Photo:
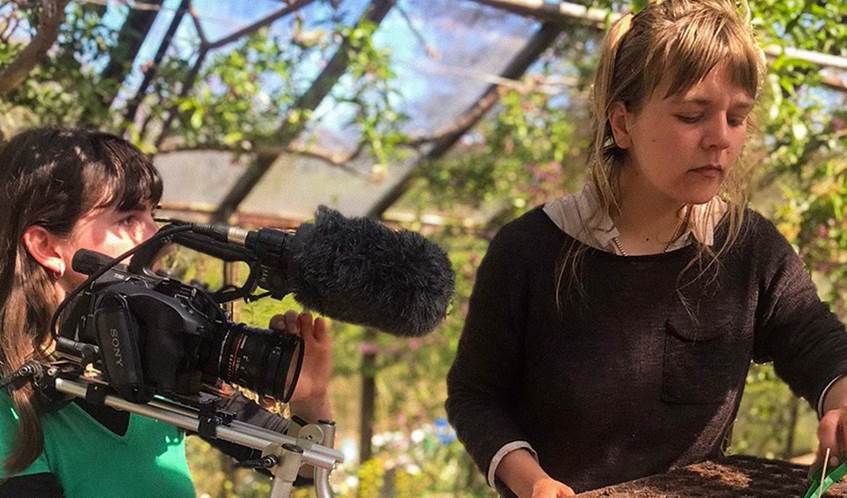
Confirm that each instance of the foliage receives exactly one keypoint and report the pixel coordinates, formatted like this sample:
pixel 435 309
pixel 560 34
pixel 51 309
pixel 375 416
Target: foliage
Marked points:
pixel 373 94
pixel 245 95
pixel 66 87
pixel 804 160
pixel 520 156
pixel 242 94
pixel 529 149
pixel 239 99
pixel 216 477
pixel 773 422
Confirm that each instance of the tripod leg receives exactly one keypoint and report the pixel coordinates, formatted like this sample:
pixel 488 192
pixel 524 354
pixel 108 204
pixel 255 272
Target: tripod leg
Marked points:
pixel 281 489
pixel 322 488
pixel 289 459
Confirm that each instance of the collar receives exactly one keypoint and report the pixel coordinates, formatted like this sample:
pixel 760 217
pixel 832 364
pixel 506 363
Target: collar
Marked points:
pixel 579 215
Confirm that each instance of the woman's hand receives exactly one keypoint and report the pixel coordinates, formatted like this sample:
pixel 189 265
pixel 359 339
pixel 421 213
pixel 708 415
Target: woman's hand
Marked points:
pixel 311 394
pixel 520 471
pixel 832 429
pixel 832 434
pixel 550 488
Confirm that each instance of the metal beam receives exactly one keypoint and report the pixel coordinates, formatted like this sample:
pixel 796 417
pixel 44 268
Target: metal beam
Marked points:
pixel 539 42
pixel 568 12
pixel 310 100
pixel 132 34
pixel 151 71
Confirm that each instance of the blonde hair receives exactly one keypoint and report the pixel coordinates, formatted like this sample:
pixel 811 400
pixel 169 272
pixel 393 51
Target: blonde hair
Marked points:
pixel 679 41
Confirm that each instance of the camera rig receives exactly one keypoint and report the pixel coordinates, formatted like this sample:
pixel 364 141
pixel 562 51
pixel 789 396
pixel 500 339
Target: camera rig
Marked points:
pixel 159 343
pixel 283 455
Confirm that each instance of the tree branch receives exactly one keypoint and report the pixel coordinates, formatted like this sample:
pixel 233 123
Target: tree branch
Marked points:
pixel 465 121
pixel 550 12
pixel 834 83
pixel 308 101
pixel 270 18
pixel 334 159
pixel 11 24
pixel 430 52
pixel 206 46
pixel 328 156
pixel 479 108
pixel 52 15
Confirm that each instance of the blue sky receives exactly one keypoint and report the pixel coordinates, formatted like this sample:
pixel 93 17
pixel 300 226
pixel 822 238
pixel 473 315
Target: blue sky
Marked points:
pixel 470 42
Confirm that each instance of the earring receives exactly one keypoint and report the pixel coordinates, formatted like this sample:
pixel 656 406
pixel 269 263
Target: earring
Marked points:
pixel 56 274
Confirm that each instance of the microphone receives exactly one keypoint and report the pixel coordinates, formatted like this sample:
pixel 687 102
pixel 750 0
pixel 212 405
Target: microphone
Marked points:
pixel 357 270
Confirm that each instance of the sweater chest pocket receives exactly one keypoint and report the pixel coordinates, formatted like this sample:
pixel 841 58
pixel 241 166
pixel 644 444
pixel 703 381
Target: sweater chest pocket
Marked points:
pixel 701 363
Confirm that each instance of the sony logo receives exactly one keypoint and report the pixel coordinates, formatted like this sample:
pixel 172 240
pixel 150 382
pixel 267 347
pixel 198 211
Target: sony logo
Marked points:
pixel 116 347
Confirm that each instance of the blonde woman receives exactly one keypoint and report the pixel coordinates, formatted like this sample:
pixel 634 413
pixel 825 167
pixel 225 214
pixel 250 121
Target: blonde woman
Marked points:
pixel 610 331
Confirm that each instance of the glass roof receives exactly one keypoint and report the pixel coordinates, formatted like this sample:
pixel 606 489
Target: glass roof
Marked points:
pixel 445 53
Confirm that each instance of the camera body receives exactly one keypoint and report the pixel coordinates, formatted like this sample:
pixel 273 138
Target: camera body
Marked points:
pixel 158 335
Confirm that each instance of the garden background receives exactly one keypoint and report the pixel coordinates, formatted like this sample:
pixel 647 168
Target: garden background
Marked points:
pixel 448 117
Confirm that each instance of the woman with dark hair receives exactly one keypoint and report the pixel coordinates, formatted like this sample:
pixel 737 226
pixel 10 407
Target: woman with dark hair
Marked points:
pixel 63 190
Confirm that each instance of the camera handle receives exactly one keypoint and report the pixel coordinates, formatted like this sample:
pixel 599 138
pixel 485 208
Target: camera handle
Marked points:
pixel 283 455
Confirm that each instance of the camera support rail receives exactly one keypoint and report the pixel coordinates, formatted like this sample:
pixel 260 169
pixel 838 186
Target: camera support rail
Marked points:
pixel 282 455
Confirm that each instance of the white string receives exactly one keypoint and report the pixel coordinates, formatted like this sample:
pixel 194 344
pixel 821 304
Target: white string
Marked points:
pixel 823 473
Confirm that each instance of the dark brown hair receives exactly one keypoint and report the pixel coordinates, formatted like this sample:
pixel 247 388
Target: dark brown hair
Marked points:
pixel 51 177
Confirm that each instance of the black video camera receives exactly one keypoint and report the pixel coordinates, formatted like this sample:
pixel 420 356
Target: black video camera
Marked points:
pixel 153 334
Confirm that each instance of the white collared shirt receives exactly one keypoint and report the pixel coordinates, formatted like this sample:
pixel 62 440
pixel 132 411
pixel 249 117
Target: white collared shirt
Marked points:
pixel 572 214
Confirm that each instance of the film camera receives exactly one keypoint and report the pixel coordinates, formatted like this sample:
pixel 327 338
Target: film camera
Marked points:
pixel 159 341
pixel 187 338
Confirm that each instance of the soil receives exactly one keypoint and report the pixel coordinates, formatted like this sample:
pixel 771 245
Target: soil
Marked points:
pixel 736 476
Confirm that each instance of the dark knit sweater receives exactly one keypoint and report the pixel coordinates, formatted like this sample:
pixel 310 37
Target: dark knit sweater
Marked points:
pixel 626 382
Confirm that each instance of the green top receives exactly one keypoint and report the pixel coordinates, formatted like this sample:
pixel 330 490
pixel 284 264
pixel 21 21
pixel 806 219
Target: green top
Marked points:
pixel 91 461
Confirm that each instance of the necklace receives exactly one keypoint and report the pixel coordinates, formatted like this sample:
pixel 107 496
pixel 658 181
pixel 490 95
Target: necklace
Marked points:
pixel 678 234
pixel 619 247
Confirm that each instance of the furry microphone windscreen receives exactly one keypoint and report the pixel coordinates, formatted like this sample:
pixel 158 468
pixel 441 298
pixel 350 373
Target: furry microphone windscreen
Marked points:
pixel 359 271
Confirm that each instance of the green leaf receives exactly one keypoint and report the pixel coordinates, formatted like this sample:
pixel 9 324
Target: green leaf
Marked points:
pixel 800 131
pixel 197 119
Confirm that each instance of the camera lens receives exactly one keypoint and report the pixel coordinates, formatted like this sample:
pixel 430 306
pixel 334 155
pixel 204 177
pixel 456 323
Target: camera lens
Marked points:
pixel 265 361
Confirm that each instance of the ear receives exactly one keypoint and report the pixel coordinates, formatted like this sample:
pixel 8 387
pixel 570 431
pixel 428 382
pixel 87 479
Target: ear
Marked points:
pixel 619 119
pixel 45 248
